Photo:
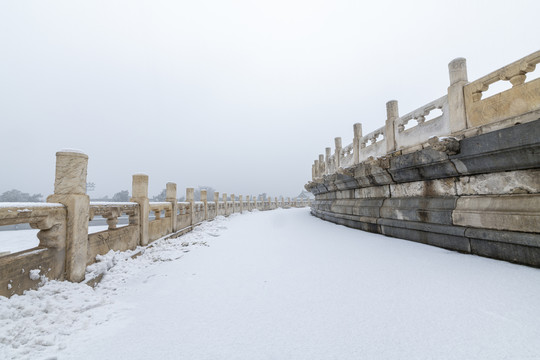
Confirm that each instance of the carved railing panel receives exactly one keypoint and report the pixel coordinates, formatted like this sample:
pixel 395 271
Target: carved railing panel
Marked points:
pixel 114 238
pixel 162 223
pixel 347 157
pixel 373 144
pixel 184 215
pixel 522 98
pixel 423 130
pixel 48 257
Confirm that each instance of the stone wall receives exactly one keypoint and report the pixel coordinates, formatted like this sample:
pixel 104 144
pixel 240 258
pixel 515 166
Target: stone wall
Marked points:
pixel 65 245
pixel 476 189
pixel 481 195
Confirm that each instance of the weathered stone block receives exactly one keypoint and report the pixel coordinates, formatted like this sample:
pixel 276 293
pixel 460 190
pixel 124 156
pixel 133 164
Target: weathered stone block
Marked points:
pixel 428 188
pixel 421 165
pixel 508 182
pixel 372 174
pixel 372 192
pixel 359 207
pixel 446 241
pixel 509 212
pixel 513 148
pixel 516 253
pixel 431 210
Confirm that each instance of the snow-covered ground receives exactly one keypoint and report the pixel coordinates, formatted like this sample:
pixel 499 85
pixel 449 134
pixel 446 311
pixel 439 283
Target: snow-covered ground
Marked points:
pixel 281 285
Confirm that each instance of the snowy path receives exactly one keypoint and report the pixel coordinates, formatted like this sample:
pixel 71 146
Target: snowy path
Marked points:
pixel 282 285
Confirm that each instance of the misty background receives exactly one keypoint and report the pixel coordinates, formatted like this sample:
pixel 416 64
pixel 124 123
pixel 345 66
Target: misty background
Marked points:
pixel 239 95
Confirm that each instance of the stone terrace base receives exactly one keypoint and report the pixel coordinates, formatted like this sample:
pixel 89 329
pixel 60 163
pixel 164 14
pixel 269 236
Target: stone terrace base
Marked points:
pixel 479 195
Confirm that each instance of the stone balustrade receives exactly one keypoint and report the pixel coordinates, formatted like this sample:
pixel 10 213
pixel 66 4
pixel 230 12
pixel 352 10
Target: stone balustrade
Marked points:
pixel 460 113
pixel 65 245
pixel 461 172
pixel 521 99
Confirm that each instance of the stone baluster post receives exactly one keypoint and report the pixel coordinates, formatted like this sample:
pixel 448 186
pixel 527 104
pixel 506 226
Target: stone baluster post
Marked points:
pixel 216 200
pixel 456 101
pixel 328 160
pixel 204 199
pixel 248 202
pixel 317 175
pixel 70 191
pixel 255 202
pixel 190 198
pixel 357 128
pixel 321 165
pixel 233 199
pixel 337 154
pixel 224 199
pixel 171 197
pixel 392 114
pixel 241 199
pixel 276 202
pixel 139 195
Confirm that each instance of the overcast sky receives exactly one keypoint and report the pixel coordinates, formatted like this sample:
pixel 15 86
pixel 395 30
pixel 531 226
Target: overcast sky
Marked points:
pixel 238 95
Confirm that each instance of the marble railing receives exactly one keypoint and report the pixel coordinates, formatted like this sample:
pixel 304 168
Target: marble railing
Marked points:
pixel 66 246
pixel 460 113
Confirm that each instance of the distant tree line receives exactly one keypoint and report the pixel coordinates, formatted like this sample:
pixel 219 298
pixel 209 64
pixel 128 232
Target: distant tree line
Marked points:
pixel 18 196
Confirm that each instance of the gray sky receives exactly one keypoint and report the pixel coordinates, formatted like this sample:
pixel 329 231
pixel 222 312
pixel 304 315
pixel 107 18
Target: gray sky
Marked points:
pixel 238 95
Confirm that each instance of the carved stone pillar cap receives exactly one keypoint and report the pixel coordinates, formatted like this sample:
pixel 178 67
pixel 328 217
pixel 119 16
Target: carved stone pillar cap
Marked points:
pixel 458 70
pixel 70 177
pixel 72 152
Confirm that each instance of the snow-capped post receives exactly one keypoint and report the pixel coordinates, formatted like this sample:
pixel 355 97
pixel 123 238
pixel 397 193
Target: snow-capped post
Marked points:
pixel 233 201
pixel 70 191
pixel 456 102
pixel 139 194
pixel 337 154
pixel 190 198
pixel 171 197
pixel 241 199
pixel 327 160
pixel 357 128
pixel 204 199
pixel 392 114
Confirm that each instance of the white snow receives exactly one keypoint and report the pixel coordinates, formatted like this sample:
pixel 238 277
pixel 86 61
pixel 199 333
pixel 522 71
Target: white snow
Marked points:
pixel 281 285
pixel 117 203
pixel 18 240
pixel 76 151
pixel 29 205
pixel 34 274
